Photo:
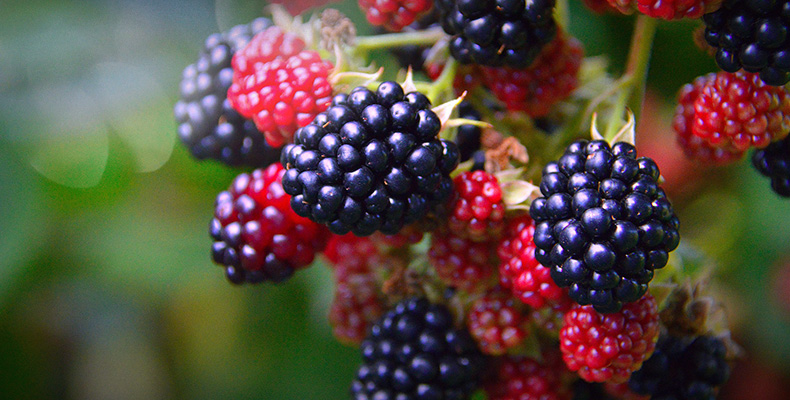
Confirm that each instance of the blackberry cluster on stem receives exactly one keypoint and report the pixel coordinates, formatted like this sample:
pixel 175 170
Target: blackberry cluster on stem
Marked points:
pixel 208 124
pixel 603 224
pixel 371 162
pixel 497 33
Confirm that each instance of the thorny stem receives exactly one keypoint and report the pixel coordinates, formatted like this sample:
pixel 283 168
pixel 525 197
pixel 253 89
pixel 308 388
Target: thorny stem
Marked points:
pixel 427 37
pixel 635 73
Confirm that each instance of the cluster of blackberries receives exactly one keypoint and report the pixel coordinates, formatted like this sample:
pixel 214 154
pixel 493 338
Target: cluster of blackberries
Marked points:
pixel 497 33
pixel 683 368
pixel 208 125
pixel 774 162
pixel 371 162
pixel 753 35
pixel 415 352
pixel 603 224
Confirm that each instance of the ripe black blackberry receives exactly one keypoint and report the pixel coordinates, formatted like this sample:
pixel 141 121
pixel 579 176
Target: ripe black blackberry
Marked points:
pixel 683 368
pixel 497 33
pixel 774 162
pixel 753 35
pixel 603 224
pixel 468 136
pixel 371 162
pixel 208 125
pixel 415 352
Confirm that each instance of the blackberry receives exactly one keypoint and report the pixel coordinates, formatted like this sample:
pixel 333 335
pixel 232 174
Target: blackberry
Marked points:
pixel 208 125
pixel 603 224
pixel 371 162
pixel 753 35
pixel 257 237
pixel 683 368
pixel 468 136
pixel 497 33
pixel 415 352
pixel 774 162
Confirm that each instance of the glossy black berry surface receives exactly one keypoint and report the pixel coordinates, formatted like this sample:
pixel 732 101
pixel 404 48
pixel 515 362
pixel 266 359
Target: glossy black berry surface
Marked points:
pixel 774 162
pixel 208 125
pixel 415 352
pixel 603 225
pixel 683 368
pixel 497 32
pixel 753 35
pixel 468 136
pixel 371 162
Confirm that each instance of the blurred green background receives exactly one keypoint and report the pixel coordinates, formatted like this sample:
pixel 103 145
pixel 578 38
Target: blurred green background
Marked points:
pixel 107 290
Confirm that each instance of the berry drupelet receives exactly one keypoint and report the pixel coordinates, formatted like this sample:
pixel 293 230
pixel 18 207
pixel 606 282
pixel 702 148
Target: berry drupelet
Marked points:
pixel 753 35
pixel 603 224
pixel 774 162
pixel 468 136
pixel 477 211
pixel 208 125
pixel 609 347
pixel 371 162
pixel 415 352
pixel 683 368
pixel 257 237
pixel 394 15
pixel 497 33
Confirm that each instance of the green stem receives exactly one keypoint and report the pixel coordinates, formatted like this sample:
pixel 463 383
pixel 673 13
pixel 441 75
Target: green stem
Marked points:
pixel 426 37
pixel 562 13
pixel 635 73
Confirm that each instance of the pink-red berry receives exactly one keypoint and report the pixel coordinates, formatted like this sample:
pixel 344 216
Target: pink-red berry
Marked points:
pixel 519 270
pixel 720 116
pixel 524 378
pixel 551 78
pixel 478 211
pixel 609 347
pixel 497 321
pixel 257 236
pixel 461 263
pixel 279 90
pixel 357 304
pixel 667 9
pixel 394 15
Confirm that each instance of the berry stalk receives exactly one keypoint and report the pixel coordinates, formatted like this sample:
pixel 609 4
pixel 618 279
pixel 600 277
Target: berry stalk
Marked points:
pixel 427 37
pixel 635 74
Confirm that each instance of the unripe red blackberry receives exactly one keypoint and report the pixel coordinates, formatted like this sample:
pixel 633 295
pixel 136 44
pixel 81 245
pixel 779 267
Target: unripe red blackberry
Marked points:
pixel 683 368
pixel 415 352
pixel 461 263
pixel 774 162
pixel 257 237
pixel 667 9
pixel 208 125
pixel 752 34
pixel 394 15
pixel 356 305
pixel 502 33
pixel 609 347
pixel 497 322
pixel 552 77
pixel 477 211
pixel 371 162
pixel 523 378
pixel 720 116
pixel 519 271
pixel 603 224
